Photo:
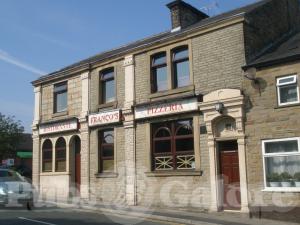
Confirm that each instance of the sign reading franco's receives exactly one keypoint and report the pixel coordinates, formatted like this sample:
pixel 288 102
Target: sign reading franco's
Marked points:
pixel 107 117
pixel 166 108
pixel 58 127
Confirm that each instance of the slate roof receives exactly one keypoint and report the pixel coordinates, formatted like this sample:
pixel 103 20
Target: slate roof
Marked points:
pixel 164 36
pixel 287 51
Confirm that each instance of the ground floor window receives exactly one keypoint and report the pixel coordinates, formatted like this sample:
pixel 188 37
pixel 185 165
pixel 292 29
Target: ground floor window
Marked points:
pixel 106 150
pixel 282 163
pixel 47 156
pixel 173 145
pixel 60 155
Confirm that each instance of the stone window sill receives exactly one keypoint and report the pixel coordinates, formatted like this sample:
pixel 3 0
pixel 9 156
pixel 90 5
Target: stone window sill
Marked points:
pixel 106 175
pixel 65 113
pixel 174 173
pixel 108 105
pixel 54 173
pixel 165 94
pixel 287 106
pixel 282 189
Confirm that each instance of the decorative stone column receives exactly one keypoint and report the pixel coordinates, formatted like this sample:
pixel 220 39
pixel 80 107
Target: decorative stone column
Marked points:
pixel 36 150
pixel 129 126
pixel 36 154
pixel 37 105
pixel 85 137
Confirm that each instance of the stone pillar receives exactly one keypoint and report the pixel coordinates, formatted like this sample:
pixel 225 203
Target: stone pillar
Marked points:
pixel 36 148
pixel 243 175
pixel 213 175
pixel 85 82
pixel 129 126
pixel 36 155
pixel 85 137
pixel 37 105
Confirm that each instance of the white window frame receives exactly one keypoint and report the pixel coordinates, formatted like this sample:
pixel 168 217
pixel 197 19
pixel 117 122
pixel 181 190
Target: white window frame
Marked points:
pixel 295 81
pixel 265 155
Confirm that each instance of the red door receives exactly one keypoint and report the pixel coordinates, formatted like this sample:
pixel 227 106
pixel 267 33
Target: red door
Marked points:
pixel 229 170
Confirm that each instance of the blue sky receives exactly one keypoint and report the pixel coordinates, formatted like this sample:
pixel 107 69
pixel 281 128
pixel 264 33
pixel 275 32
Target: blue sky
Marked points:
pixel 41 36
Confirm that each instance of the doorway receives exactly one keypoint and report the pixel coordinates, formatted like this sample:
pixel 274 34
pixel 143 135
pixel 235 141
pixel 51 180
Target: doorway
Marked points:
pixel 77 163
pixel 229 173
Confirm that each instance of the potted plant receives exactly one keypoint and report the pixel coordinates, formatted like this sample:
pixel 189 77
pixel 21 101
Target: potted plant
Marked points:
pixel 274 179
pixel 297 179
pixel 286 179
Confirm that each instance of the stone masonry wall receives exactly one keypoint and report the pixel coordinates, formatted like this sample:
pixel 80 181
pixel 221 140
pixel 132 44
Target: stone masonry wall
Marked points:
pixel 74 99
pixel 267 121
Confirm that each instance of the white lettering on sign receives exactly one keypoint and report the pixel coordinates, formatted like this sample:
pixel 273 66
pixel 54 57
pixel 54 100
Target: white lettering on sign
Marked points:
pixel 58 127
pixel 105 118
pixel 166 108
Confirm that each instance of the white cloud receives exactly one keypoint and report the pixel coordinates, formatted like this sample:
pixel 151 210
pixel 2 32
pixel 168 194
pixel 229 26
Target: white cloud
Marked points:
pixel 4 56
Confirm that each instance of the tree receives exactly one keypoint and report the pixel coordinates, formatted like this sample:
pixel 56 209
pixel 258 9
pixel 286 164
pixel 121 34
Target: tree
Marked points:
pixel 10 136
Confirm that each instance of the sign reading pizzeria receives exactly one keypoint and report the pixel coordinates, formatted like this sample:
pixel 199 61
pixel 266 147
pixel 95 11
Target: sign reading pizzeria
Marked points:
pixel 162 109
pixel 57 127
pixel 103 118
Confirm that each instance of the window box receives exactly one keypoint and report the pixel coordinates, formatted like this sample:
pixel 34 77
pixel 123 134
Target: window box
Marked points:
pixel 281 160
pixel 287 90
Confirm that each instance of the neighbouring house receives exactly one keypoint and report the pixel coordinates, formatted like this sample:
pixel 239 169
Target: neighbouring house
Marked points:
pixel 173 120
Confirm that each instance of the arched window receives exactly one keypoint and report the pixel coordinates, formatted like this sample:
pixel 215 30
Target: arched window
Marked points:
pixel 60 155
pixel 173 145
pixel 181 67
pixel 47 156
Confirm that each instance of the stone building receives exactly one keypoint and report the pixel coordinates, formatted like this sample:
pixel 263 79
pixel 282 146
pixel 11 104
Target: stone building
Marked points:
pixel 161 122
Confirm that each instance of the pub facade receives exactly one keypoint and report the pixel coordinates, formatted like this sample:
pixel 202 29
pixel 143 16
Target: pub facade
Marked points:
pixel 159 122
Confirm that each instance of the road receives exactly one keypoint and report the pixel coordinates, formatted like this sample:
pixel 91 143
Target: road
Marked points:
pixel 58 216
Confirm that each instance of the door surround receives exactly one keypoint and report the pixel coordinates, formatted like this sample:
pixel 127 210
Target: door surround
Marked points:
pixel 225 125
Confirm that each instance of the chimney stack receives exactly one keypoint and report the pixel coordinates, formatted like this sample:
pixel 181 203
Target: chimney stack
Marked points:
pixel 184 15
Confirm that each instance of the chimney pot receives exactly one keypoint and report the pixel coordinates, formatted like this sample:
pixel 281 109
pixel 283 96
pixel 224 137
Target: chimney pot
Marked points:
pixel 184 15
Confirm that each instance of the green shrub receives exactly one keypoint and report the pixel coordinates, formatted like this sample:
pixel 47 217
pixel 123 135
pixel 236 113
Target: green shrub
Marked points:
pixel 273 177
pixel 297 177
pixel 285 176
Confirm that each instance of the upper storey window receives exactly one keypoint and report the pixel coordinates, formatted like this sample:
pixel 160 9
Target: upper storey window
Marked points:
pixel 60 97
pixel 288 90
pixel 170 69
pixel 181 67
pixel 107 86
pixel 159 72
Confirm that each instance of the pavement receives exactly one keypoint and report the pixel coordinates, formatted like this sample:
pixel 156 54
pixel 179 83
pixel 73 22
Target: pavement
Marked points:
pixel 83 214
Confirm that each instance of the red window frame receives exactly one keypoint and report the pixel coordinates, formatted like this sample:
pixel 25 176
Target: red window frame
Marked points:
pixel 63 149
pixel 46 149
pixel 101 143
pixel 173 129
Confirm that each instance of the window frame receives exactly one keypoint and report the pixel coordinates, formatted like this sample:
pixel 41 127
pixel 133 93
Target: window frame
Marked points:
pixel 100 151
pixel 281 154
pixel 171 127
pixel 278 86
pixel 102 82
pixel 56 93
pixel 176 61
pixel 48 160
pixel 57 149
pixel 153 68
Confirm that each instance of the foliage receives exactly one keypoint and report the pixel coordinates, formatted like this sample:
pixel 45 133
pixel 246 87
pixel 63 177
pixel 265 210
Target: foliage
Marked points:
pixel 297 177
pixel 274 177
pixel 10 136
pixel 285 176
